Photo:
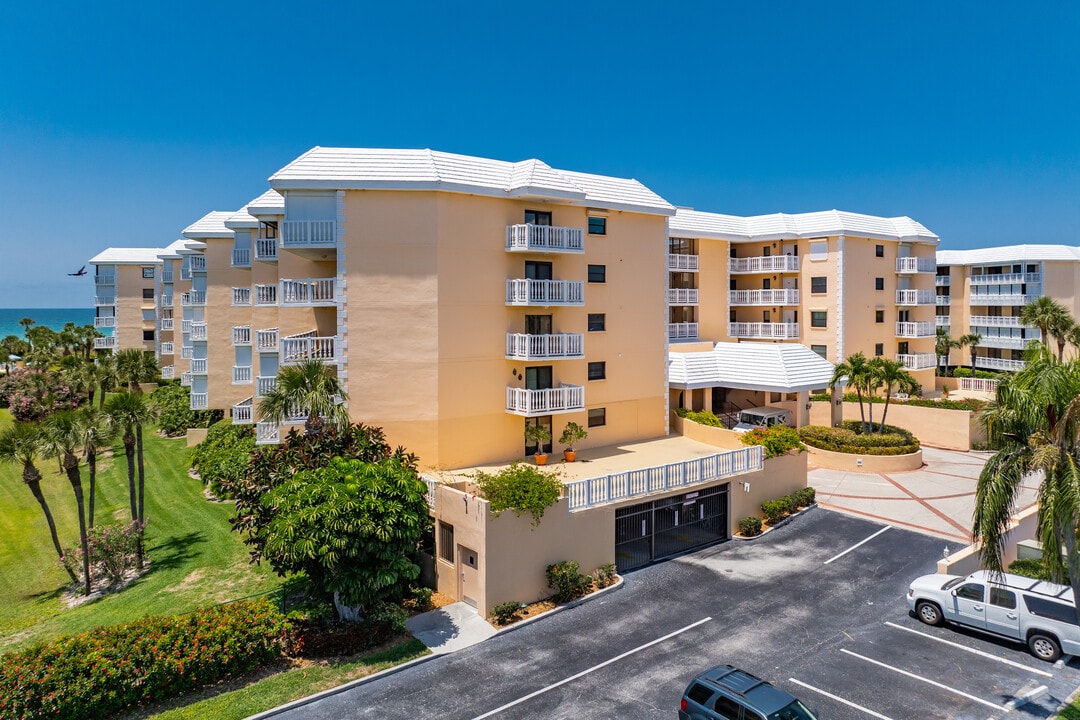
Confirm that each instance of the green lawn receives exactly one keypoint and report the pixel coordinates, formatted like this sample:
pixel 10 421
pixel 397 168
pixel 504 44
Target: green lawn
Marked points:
pixel 196 559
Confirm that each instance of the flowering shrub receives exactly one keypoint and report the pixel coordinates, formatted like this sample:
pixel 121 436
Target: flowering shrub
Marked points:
pixel 777 440
pixel 34 394
pixel 112 552
pixel 100 673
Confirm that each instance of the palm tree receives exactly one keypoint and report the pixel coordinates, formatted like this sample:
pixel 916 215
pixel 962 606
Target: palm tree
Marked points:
pixel 134 366
pixel 1073 336
pixel 1035 424
pixel 131 411
pixel 311 387
pixel 108 375
pixel 892 374
pixel 26 323
pixel 854 369
pixel 98 430
pixel 62 436
pixel 1052 319
pixel 21 443
pixel 970 341
pixel 943 347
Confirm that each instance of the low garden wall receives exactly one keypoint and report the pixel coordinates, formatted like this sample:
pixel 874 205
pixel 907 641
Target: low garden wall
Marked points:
pixel 865 463
pixel 717 436
pixel 196 436
pixel 1022 527
pixel 934 427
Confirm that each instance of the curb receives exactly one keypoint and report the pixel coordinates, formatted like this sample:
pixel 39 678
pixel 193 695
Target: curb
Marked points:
pixel 777 526
pixel 572 604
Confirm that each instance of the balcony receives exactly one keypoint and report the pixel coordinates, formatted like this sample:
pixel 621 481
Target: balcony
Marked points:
pixel 185 379
pixel 105 343
pixel 1014 299
pixel 990 363
pixel 186 352
pixel 682 296
pixel 916 329
pixel 166 276
pixel 916 297
pixel 1009 321
pixel 241 257
pixel 100 280
pixel 265 384
pixel 165 300
pixel 167 323
pixel 241 335
pixel 907 265
pixel 531 403
pixel 297 349
pixel 309 292
pixel 1005 342
pixel 185 327
pixel 764 330
pixel 764 264
pixel 167 348
pixel 185 273
pixel 682 263
pixel 105 322
pixel 198 332
pixel 942 280
pixel 942 321
pixel 682 331
pixel 308 233
pixel 242 412
pixel 544 239
pixel 104 300
pixel 1007 279
pixel 198 264
pixel 167 372
pixel 266 340
pixel 241 296
pixel 241 374
pixel 783 296
pixel 266 294
pixel 198 366
pixel 545 293
pixel 941 300
pixel 200 401
pixel 267 433
pixel 193 298
pixel 266 249
pixel 559 346
pixel 917 361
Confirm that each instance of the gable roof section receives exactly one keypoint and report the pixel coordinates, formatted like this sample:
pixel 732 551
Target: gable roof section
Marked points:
pixel 127 256
pixel 779 367
pixel 210 225
pixel 270 202
pixel 388 169
pixel 1009 253
pixel 172 252
pixel 783 226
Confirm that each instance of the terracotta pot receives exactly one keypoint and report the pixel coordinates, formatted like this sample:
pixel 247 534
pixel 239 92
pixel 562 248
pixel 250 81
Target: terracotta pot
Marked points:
pixel 540 459
pixel 569 455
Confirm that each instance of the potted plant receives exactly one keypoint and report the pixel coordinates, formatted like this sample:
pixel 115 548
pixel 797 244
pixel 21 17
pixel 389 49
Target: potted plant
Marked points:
pixel 538 434
pixel 571 434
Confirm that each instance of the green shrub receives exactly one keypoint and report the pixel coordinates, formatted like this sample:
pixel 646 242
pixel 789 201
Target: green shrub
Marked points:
pixel 965 372
pixel 1030 568
pixel 102 672
pixel 750 526
pixel 804 497
pixel 224 455
pixel 703 417
pixel 605 575
pixel 390 614
pixel 848 438
pixel 567 581
pixel 777 440
pixel 520 488
pixel 821 397
pixel 972 404
pixel 507 612
pixel 173 403
pixel 421 598
pixel 774 511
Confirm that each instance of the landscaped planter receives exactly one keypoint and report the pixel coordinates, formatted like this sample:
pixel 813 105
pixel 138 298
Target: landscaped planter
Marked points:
pixel 865 463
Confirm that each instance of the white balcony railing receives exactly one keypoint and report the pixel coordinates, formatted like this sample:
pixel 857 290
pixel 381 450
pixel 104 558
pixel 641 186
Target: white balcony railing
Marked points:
pixel 104 300
pixel 919 329
pixel 241 257
pixel 198 366
pixel 185 379
pixel 198 264
pixel 682 296
pixel 198 332
pixel 941 300
pixel 267 433
pixel 780 296
pixel 200 401
pixel 909 264
pixel 266 340
pixel 309 291
pixel 242 412
pixel 167 348
pixel 186 352
pixel 942 320
pixel 185 273
pixel 986 385
pixel 998 363
pixel 165 300
pixel 565 398
pixel 1014 299
pixel 100 280
pixel 917 361
pixel 266 294
pixel 241 374
pixel 558 346
pixel 1007 279
pixel 241 335
pixel 167 372
pixel 765 264
pixel 185 327
pixel 767 330
pixel 297 349
pixel 193 298
pixel 544 238
pixel 167 323
pixel 1011 321
pixel 1004 342
pixel 682 331
pixel 105 322
pixel 545 293
pixel 266 249
pixel 105 343
pixel 305 233
pixel 265 384
pixel 942 280
pixel 682 263
pixel 241 296
pixel 916 297
pixel 166 276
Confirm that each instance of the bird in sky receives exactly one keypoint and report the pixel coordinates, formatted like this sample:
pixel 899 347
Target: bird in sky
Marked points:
pixel 82 271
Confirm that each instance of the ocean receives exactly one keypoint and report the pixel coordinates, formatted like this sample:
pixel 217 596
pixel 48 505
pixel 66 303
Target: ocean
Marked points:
pixel 54 318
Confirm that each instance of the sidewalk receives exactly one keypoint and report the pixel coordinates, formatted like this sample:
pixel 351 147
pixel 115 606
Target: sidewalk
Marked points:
pixel 450 628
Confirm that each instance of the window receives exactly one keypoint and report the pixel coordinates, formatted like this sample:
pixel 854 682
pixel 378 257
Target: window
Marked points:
pixel 879 250
pixel 727 708
pixel 148 273
pixel 537 217
pixel 820 350
pixel 597 417
pixel 1002 598
pixel 879 349
pixel 819 318
pixel 596 322
pixel 971 591
pixel 446 542
pixel 879 283
pixel 148 293
pixel 819 285
pixel 699 693
pixel 879 316
pixel 537 270
pixel 1050 609
pixel 766 284
pixel 819 250
pixel 597 370
pixel 597 225
pixel 597 273
pixel 147 334
pixel 538 324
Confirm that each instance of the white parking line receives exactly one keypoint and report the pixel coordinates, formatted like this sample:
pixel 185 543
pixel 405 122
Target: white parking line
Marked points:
pixel 837 557
pixel 839 699
pixel 913 676
pixel 980 653
pixel 594 668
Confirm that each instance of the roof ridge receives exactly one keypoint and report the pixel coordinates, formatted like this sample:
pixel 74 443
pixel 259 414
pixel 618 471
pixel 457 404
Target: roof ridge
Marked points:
pixel 434 165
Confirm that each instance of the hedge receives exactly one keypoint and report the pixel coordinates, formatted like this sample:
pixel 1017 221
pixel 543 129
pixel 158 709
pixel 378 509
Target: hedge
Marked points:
pixel 965 372
pixel 848 438
pixel 102 672
pixel 703 417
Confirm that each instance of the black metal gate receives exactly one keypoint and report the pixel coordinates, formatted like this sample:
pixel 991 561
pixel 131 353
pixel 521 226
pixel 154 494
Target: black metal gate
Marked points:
pixel 661 528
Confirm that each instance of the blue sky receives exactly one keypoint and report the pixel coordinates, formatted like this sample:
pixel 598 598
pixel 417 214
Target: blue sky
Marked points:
pixel 123 122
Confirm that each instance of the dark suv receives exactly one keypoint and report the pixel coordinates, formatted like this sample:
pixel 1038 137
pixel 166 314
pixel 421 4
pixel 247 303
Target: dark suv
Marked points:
pixel 726 693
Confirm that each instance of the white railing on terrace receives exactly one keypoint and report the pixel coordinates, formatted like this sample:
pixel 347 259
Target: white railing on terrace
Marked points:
pixel 1005 342
pixel 942 280
pixel 916 265
pixel 1006 279
pixel 104 279
pixel 565 398
pixel 1016 299
pixel 769 330
pixel 521 346
pixel 266 294
pixel 185 379
pixel 241 257
pixel 682 263
pixel 185 273
pixel 165 300
pixel 979 384
pixel 198 264
pixel 198 366
pixel 308 291
pixel 265 384
pixel 186 352
pixel 241 374
pixel 241 296
pixel 167 323
pixel 544 238
pixel 916 297
pixel 185 327
pixel 300 233
pixel 997 321
pixel 430 494
pixel 242 412
pixel 682 331
pixel 998 363
pixel 545 292
pixel 104 322
pixel 608 489
pixel 682 296
pixel 942 321
pixel 167 348
pixel 266 248
pixel 941 300
pixel 266 340
pixel 167 372
pixel 298 349
pixel 105 343
pixel 780 296
pixel 166 276
pixel 198 331
pixel 267 433
pixel 764 264
pixel 194 297
pixel 241 335
pixel 916 329
pixel 917 361
pixel 104 300
pixel 200 401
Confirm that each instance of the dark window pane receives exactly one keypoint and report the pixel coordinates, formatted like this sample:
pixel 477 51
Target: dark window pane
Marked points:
pixel 596 322
pixel 597 417
pixel 597 370
pixel 819 284
pixel 699 693
pixel 148 293
pixel 1002 598
pixel 727 708
pixel 971 591
pixel 537 217
pixel 818 318
pixel 597 225
pixel 879 283
pixel 597 273
pixel 879 250
pixel 820 350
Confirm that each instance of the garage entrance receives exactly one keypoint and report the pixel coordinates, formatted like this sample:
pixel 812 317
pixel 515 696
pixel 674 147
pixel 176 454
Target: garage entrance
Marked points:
pixel 654 530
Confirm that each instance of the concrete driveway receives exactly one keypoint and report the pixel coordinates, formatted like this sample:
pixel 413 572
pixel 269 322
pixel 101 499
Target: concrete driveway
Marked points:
pixel 938 499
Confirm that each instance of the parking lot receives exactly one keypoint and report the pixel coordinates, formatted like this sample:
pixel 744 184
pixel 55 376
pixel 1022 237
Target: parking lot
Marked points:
pixel 817 607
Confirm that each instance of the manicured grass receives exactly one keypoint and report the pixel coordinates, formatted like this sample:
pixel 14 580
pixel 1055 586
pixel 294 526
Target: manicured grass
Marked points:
pixel 293 685
pixel 1072 712
pixel 196 559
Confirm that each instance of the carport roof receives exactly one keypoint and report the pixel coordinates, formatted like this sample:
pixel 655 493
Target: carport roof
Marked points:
pixel 776 367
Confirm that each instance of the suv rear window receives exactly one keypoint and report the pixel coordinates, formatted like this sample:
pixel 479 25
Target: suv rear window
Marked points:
pixel 699 693
pixel 727 708
pixel 1050 609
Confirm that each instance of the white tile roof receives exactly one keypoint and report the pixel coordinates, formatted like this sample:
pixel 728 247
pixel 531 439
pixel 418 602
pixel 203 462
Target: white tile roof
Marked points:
pixel 1009 253
pixel 782 226
pixel 270 202
pixel 172 252
pixel 779 367
pixel 241 219
pixel 371 168
pixel 210 225
pixel 127 256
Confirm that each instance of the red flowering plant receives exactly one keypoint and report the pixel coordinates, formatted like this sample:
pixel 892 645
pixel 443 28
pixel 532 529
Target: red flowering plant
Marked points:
pixel 33 394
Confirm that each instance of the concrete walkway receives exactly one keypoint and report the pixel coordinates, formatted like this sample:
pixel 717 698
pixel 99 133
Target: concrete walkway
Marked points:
pixel 450 628
pixel 938 499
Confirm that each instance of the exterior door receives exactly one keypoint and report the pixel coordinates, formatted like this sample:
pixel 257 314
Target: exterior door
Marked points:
pixel 791 315
pixel 538 378
pixel 468 575
pixel 537 217
pixel 535 270
pixel 538 324
pixel 791 283
pixel 970 604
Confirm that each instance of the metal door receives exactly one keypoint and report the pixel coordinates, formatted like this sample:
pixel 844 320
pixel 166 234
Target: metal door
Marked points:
pixel 651 531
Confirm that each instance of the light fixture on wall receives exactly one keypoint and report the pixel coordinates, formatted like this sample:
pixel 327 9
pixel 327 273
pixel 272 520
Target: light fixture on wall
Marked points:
pixel 807 407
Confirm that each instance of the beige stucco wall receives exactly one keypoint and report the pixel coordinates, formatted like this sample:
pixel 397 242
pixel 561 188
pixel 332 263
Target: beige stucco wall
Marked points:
pixel 865 463
pixel 1023 526
pixel 718 436
pixel 947 429
pixel 129 308
pixel 220 317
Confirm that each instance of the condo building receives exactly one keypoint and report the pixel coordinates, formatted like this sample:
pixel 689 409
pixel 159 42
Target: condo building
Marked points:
pixel 125 298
